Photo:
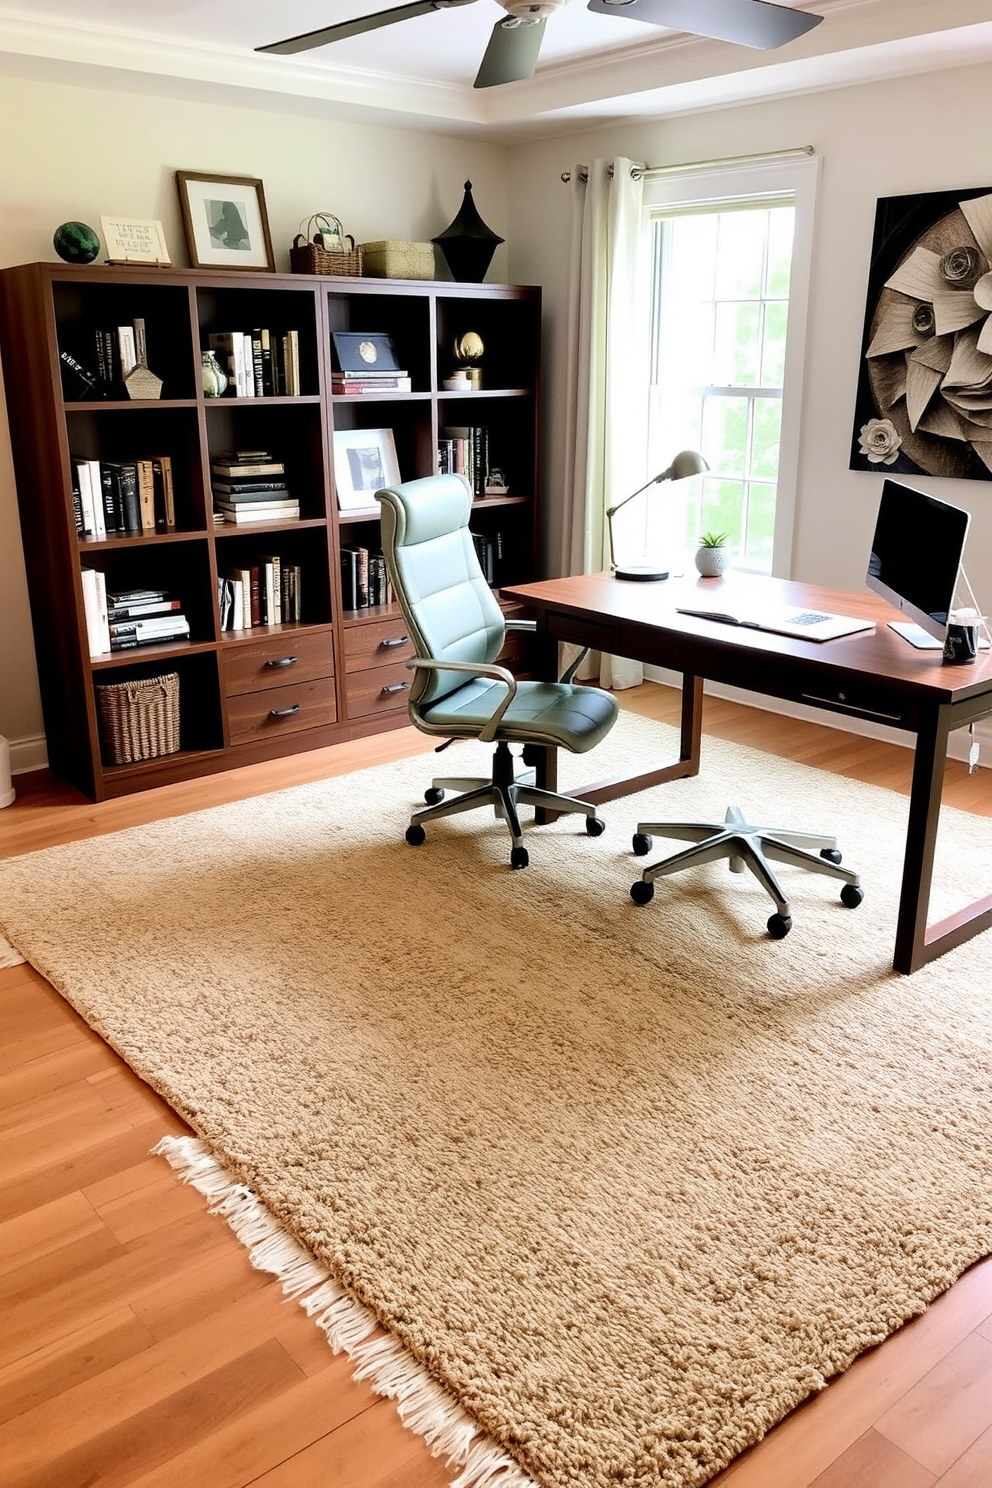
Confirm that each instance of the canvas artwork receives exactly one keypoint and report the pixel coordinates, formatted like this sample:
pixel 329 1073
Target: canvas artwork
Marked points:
pixel 924 402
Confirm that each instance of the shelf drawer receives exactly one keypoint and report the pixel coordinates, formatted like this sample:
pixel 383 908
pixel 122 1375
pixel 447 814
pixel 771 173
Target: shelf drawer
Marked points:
pixel 277 661
pixel 376 645
pixel 281 710
pixel 379 690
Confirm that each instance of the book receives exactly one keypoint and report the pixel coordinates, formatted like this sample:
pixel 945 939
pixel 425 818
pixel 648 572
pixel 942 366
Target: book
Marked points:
pixel 149 626
pixel 145 471
pixel 244 516
pixel 165 506
pixel 95 611
pixel 249 490
pixel 354 386
pixel 126 351
pixel 87 515
pixel 230 349
pixel 271 503
pixel 140 342
pixel 143 609
pixel 270 586
pixel 77 381
pixel 124 479
pixel 135 596
pixel 291 363
pixel 243 469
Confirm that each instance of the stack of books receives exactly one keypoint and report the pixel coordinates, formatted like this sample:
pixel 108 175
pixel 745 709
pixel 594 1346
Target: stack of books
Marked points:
pixel 367 381
pixel 250 486
pixel 124 619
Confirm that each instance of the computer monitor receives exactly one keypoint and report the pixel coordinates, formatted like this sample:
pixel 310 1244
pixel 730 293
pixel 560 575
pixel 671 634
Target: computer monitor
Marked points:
pixel 916 555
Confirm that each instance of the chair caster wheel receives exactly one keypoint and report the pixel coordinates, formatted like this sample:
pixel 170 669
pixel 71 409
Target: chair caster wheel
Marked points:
pixel 831 854
pixel 642 845
pixel 851 896
pixel 416 835
pixel 595 826
pixel 641 892
pixel 519 857
pixel 434 795
pixel 779 926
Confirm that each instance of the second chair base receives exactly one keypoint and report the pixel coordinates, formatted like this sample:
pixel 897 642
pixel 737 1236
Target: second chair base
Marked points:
pixel 745 846
pixel 505 791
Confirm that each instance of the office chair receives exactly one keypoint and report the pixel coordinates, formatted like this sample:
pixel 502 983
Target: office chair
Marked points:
pixel 458 691
pixel 745 847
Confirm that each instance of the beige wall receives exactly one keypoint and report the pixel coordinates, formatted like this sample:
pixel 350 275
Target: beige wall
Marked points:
pixel 76 152
pixel 926 133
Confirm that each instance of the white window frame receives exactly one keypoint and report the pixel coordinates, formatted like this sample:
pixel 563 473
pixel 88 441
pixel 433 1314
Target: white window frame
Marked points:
pixel 710 188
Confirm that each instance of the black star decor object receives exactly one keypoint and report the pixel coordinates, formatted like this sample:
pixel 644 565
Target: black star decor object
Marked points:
pixel 468 244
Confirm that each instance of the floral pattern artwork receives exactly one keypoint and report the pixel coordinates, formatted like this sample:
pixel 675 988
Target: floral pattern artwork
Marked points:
pixel 924 401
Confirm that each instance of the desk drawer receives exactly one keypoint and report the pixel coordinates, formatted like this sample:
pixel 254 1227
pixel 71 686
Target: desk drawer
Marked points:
pixel 378 645
pixel 281 710
pixel 276 661
pixel 378 690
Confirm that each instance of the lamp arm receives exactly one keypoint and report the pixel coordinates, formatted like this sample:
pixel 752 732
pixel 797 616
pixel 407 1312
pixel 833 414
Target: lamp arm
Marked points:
pixel 611 511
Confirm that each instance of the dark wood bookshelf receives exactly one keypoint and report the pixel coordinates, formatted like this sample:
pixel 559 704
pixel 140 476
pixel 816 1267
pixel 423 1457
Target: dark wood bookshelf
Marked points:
pixel 240 700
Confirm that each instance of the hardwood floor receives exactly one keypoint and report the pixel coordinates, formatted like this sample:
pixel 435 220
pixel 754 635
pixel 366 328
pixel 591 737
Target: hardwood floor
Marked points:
pixel 137 1345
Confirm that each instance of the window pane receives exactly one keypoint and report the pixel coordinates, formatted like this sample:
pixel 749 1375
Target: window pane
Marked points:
pixel 781 228
pixel 740 255
pixel 722 507
pixel 773 350
pixel 693 255
pixel 724 441
pixel 735 362
pixel 765 436
pixel 760 525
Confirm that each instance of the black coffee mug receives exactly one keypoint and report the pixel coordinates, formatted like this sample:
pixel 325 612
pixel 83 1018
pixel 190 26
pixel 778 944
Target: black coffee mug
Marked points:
pixel 961 644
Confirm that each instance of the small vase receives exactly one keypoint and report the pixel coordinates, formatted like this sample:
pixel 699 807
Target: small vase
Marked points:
pixel 212 375
pixel 711 562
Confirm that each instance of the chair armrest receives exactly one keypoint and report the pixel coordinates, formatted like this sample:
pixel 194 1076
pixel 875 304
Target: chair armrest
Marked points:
pixel 475 669
pixel 530 625
pixel 574 665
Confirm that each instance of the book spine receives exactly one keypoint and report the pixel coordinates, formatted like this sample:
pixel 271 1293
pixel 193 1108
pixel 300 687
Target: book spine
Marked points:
pixel 127 477
pixel 256 362
pixel 145 472
pixel 140 342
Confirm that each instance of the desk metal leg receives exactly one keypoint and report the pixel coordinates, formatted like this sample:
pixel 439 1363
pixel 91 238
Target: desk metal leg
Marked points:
pixel 916 944
pixel 626 785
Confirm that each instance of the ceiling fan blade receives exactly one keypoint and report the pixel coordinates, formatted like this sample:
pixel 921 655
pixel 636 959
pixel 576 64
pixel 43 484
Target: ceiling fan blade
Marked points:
pixel 754 23
pixel 511 54
pixel 360 24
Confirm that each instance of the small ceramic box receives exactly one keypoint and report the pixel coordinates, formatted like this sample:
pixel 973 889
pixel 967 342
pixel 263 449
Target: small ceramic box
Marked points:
pixel 391 259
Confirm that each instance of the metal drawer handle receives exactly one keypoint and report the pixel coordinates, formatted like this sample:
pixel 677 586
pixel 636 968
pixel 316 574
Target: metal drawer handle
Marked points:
pixel 396 641
pixel 281 661
pixel 397 687
pixel 284 712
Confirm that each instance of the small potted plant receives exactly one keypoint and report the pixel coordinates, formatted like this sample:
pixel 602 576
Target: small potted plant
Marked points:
pixel 713 554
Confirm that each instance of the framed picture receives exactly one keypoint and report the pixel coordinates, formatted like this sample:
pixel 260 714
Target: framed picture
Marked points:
pixel 137 240
pixel 364 461
pixel 225 221
pixel 924 396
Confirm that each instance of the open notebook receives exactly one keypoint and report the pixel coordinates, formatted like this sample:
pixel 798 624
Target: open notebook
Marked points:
pixel 804 625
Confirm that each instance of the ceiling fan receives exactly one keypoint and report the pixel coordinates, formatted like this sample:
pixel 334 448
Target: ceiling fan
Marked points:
pixel 515 42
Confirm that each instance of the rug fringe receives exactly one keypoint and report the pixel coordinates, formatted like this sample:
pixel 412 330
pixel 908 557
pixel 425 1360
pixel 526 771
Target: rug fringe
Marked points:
pixel 424 1406
pixel 9 955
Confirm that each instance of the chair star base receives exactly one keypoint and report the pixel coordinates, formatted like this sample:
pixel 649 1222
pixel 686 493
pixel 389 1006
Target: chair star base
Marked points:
pixel 505 791
pixel 745 846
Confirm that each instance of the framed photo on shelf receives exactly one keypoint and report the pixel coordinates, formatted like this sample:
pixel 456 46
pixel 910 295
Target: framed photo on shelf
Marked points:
pixel 137 240
pixel 225 221
pixel 364 461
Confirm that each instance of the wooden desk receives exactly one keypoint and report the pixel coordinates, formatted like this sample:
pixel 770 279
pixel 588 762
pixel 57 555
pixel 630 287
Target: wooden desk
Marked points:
pixel 874 675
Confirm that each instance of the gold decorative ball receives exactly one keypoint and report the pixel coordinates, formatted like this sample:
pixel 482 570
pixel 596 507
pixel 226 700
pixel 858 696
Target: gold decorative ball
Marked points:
pixel 469 347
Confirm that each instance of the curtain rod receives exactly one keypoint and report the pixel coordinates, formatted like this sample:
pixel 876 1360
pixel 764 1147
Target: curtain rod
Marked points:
pixel 639 171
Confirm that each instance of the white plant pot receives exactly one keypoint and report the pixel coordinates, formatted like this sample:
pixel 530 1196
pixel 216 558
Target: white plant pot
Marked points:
pixel 711 562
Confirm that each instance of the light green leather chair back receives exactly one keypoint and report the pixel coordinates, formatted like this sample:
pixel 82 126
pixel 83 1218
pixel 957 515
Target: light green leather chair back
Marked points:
pixel 449 609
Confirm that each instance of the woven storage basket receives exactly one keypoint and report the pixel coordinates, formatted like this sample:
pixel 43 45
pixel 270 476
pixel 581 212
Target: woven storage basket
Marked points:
pixel 309 256
pixel 138 720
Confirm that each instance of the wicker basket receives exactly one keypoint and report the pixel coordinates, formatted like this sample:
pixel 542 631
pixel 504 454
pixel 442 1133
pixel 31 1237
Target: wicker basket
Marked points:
pixel 138 720
pixel 309 256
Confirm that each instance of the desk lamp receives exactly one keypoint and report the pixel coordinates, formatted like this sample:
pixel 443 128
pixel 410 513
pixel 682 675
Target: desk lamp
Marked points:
pixel 686 463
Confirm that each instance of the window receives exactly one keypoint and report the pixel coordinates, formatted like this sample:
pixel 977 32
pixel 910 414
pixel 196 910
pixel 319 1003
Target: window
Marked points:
pixel 729 259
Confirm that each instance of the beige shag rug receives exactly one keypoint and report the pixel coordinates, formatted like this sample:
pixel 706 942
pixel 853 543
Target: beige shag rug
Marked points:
pixel 623 1184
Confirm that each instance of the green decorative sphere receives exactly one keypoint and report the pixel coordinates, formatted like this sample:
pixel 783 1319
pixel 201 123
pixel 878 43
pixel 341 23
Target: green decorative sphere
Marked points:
pixel 76 243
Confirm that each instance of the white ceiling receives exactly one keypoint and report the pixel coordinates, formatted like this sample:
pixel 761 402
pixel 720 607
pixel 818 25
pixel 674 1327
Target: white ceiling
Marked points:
pixel 420 71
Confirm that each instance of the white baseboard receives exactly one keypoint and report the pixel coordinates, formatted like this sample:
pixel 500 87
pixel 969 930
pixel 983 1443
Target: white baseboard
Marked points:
pixel 28 754
pixel 957 747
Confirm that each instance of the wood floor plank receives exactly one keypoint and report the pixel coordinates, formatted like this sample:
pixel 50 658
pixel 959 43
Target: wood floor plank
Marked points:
pixel 106 1152
pixel 371 1450
pixel 155 1434
pixel 28 1084
pixel 874 1462
pixel 973 1468
pixel 78 1354
pixel 947 1410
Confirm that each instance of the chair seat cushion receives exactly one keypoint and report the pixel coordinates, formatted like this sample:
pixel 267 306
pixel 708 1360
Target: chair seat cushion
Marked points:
pixel 558 713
